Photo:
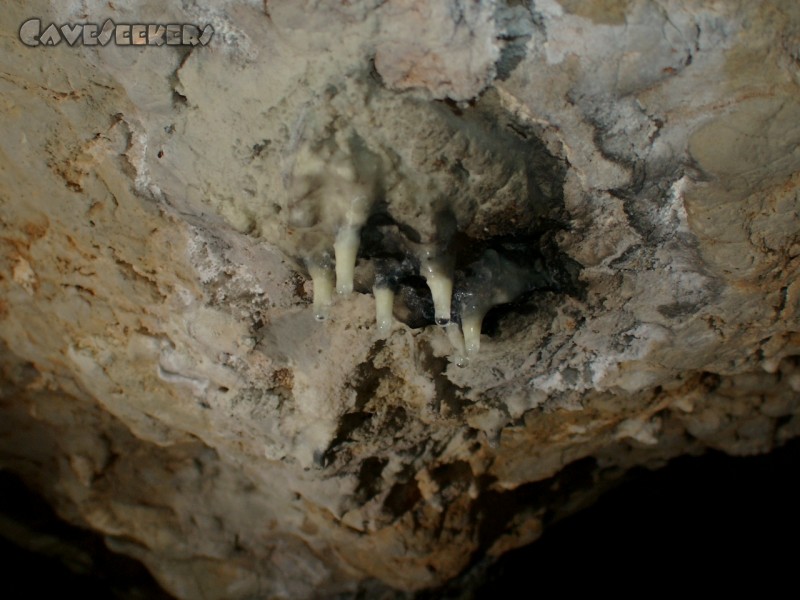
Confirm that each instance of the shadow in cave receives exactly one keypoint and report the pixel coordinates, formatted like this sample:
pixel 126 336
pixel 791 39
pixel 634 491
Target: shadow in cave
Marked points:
pixel 712 521
pixel 44 557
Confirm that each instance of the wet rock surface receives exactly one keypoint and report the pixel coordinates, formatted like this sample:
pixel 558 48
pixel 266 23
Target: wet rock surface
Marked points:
pixel 610 193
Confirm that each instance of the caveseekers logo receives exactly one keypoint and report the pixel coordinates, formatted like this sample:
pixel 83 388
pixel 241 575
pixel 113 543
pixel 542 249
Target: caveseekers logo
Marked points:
pixel 90 34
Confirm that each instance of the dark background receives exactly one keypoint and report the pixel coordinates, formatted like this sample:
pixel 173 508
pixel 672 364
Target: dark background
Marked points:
pixel 713 523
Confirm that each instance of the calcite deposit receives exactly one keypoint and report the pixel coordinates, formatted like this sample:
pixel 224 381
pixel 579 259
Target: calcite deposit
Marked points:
pixel 358 296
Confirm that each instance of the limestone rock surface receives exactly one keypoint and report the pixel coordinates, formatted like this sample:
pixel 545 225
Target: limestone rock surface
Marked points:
pixel 163 208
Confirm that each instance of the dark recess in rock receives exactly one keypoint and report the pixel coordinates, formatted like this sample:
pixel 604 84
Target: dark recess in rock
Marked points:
pixel 44 557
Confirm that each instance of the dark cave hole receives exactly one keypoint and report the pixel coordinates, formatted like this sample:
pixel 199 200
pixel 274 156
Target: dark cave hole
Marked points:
pixel 370 481
pixel 523 234
pixel 556 272
pixel 711 522
pixel 44 557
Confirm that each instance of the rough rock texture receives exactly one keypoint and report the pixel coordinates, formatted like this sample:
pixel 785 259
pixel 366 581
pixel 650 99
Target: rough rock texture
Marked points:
pixel 165 381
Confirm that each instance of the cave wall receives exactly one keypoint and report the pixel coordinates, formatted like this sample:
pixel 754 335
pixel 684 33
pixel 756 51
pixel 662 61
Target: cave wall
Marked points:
pixel 613 188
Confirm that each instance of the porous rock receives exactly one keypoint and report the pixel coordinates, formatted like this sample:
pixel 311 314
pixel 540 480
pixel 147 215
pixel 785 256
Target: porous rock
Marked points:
pixel 164 379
